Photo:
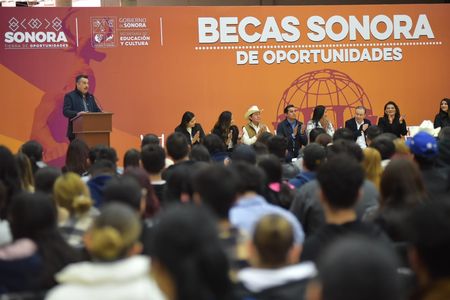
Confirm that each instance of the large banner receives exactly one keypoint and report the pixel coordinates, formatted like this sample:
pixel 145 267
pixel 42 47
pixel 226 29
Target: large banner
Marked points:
pixel 148 65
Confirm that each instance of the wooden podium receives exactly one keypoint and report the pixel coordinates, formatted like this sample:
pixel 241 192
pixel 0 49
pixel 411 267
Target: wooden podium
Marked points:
pixel 93 127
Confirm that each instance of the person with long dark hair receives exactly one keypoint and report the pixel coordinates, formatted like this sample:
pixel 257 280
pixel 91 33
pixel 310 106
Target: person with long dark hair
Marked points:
pixel 442 119
pixel 320 120
pixel 225 129
pixel 188 261
pixel 33 222
pixel 77 158
pixel 392 121
pixel 193 131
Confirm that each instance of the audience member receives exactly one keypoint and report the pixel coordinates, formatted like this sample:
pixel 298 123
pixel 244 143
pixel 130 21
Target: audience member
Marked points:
pixel 372 165
pixel 100 173
pixel 356 268
pixel 278 146
pixel 25 172
pixel 45 178
pixel 9 175
pixel 275 272
pixel 385 145
pixel 188 261
pixel 153 159
pixel 75 211
pixel 340 180
pixel 313 156
pixel 77 158
pixel 251 206
pixel 425 150
pixel 116 272
pixel 344 134
pixel 132 158
pixel 151 202
pixel 315 132
pixel 371 133
pixel 200 153
pixel 177 148
pixel 427 230
pixel 34 217
pixel 277 191
pixel 34 151
pixel 150 139
pixel 216 148
pixel 244 153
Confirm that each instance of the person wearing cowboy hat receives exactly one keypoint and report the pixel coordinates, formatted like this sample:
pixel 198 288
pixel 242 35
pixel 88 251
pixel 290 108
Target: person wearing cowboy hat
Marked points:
pixel 254 128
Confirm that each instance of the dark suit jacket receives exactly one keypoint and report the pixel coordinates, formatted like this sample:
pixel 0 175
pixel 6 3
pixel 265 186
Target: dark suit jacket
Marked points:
pixel 396 127
pixel 294 143
pixel 351 124
pixel 197 128
pixel 73 104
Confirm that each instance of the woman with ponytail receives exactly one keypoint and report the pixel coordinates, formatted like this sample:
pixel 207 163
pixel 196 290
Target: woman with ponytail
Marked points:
pixel 117 272
pixel 74 207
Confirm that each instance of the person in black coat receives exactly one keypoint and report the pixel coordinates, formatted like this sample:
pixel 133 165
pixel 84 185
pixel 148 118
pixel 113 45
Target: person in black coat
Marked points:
pixel 442 119
pixel 359 123
pixel 192 130
pixel 228 133
pixel 78 101
pixel 392 121
pixel 293 130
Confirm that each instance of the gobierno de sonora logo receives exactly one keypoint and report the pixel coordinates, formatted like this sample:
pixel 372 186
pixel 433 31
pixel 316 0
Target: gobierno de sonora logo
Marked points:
pixel 35 33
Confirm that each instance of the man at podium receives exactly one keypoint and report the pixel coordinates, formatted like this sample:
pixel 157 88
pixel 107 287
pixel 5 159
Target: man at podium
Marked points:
pixel 77 102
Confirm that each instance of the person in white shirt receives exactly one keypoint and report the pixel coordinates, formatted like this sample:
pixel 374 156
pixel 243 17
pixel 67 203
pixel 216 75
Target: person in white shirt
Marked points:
pixel 320 120
pixel 254 128
pixel 359 125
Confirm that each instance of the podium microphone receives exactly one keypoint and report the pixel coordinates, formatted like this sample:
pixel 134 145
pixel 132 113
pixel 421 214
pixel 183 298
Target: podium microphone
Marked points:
pixel 98 103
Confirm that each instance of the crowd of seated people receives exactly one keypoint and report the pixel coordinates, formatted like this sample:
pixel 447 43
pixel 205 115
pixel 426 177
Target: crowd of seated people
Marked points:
pixel 214 218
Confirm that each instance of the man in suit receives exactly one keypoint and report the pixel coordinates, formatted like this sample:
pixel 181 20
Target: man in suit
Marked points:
pixel 293 131
pixel 77 102
pixel 358 125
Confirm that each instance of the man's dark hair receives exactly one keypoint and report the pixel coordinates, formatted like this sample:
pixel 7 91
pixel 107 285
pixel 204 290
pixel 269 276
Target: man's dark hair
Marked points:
pixel 131 158
pixel 286 109
pixel 217 186
pixel 372 132
pixel 314 133
pixel 125 190
pixel 214 144
pixel 343 134
pixel 177 146
pixel 79 77
pixel 153 158
pixel 384 145
pixel 150 139
pixel 45 178
pixel 344 146
pixel 313 156
pixel 251 178
pixel 428 229
pixel 340 179
pixel 199 153
pixel 33 150
pixel 244 153
pixel 355 268
pixel 278 145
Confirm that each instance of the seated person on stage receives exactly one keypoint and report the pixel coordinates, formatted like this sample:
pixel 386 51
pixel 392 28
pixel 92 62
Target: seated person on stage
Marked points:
pixel 254 128
pixel 358 125
pixel 275 272
pixel 190 129
pixel 293 130
pixel 77 102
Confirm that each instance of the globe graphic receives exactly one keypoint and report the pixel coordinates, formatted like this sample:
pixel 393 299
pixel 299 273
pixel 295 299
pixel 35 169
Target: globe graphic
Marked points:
pixel 333 89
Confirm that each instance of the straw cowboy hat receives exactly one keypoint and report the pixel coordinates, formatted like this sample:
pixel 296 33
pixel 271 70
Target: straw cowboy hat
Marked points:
pixel 251 111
